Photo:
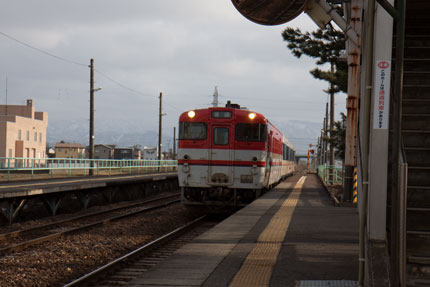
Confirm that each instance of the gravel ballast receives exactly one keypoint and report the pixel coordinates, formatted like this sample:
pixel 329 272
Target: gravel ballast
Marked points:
pixel 58 262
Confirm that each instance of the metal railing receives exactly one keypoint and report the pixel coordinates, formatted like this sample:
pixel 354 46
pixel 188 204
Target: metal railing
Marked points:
pixel 330 174
pixel 80 167
pixel 403 205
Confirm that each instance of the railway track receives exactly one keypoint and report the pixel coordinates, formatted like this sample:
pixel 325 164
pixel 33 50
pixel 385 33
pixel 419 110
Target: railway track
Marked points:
pixel 19 240
pixel 120 271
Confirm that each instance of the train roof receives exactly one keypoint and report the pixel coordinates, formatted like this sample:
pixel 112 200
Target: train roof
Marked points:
pixel 288 143
pixel 236 115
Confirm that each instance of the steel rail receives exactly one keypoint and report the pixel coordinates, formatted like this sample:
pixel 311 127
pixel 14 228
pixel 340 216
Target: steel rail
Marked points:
pixel 99 272
pixel 21 246
pixel 17 233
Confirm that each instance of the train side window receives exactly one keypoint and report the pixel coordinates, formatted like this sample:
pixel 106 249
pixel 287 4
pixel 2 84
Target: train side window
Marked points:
pixel 221 136
pixel 283 151
pixel 192 131
pixel 251 132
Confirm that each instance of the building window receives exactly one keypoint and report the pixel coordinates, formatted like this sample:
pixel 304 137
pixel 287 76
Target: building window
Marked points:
pixel 40 137
pixel 27 136
pixel 19 134
pixel 35 136
pixel 10 152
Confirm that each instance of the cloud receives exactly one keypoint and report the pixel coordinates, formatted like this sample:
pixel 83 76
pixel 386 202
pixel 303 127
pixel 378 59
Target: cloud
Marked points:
pixel 181 48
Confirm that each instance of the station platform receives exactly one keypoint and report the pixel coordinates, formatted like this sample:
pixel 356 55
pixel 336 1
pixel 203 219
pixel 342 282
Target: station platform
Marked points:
pixel 15 189
pixel 15 196
pixel 291 236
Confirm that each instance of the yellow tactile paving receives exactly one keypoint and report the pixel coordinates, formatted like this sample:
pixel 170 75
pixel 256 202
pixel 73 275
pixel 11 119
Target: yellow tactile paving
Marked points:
pixel 258 266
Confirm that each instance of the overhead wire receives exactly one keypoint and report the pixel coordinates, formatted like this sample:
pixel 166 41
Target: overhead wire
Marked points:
pixel 121 85
pixel 42 51
pixel 71 62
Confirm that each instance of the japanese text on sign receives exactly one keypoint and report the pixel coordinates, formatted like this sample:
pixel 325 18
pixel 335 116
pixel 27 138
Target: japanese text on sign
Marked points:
pixel 382 95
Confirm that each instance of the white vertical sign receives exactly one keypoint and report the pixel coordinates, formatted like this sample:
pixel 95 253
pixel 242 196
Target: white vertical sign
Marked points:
pixel 381 107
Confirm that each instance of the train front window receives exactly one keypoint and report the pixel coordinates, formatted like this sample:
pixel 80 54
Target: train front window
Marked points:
pixel 251 132
pixel 221 136
pixel 192 131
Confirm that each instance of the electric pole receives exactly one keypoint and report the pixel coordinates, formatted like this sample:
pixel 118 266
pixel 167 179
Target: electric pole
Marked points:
pixel 326 135
pixel 91 147
pixel 331 170
pixel 321 154
pixel 160 124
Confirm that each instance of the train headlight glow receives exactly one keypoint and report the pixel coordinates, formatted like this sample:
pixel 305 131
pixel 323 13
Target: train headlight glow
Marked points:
pixel 252 116
pixel 191 114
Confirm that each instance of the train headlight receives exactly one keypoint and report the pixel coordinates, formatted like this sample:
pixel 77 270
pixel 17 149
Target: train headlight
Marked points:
pixel 191 114
pixel 252 116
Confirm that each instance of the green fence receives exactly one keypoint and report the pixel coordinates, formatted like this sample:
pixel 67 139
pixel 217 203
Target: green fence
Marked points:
pixel 330 174
pixel 80 167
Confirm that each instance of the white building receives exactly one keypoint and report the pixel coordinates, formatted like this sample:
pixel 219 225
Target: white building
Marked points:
pixel 150 152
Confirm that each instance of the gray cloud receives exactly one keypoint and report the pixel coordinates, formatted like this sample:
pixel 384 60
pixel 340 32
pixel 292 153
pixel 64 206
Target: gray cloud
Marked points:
pixel 181 48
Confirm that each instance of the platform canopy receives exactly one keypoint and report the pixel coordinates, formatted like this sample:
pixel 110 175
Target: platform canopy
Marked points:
pixel 270 12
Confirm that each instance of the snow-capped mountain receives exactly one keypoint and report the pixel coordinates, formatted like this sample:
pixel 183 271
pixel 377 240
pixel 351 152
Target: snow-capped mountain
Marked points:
pixel 126 134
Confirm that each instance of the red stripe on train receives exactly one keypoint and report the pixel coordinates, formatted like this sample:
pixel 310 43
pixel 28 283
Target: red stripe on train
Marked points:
pixel 221 162
pixel 206 145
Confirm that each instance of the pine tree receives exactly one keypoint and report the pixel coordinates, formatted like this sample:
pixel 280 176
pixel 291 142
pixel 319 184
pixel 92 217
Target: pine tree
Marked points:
pixel 327 45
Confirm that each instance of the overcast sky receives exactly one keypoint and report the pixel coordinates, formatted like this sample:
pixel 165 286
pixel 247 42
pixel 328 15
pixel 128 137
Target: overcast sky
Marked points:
pixel 182 48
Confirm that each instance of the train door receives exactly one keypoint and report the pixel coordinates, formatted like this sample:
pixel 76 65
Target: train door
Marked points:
pixel 221 155
pixel 268 159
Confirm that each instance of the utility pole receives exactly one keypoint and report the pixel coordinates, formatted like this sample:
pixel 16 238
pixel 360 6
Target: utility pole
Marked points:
pixel 353 60
pixel 331 170
pixel 91 147
pixel 322 147
pixel 174 143
pixel 160 124
pixel 326 134
pixel 322 142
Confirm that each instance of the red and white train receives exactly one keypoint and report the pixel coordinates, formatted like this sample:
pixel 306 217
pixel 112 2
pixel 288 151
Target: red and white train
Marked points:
pixel 227 156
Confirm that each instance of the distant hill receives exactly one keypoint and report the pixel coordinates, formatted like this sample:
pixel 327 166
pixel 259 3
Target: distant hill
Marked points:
pixel 129 135
pixel 300 133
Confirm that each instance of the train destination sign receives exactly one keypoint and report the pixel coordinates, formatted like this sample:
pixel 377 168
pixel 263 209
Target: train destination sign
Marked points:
pixel 381 107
